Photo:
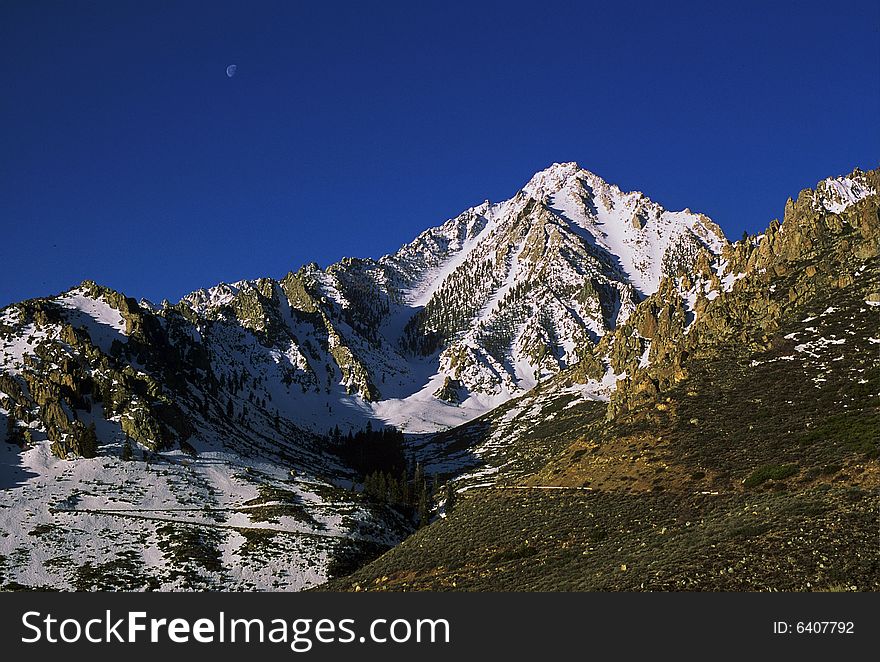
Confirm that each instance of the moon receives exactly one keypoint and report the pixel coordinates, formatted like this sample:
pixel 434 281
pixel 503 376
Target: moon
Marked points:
pixel 231 69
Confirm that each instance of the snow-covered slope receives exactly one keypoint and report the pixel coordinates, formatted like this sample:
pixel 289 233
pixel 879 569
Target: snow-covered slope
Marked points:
pixel 141 458
pixel 468 315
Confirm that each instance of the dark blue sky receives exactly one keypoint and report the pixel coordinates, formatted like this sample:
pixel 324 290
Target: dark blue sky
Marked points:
pixel 129 157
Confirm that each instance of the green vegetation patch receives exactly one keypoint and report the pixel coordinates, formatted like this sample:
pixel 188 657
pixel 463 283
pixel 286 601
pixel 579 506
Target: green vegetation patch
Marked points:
pixel 770 472
pixel 186 545
pixel 856 431
pixel 274 502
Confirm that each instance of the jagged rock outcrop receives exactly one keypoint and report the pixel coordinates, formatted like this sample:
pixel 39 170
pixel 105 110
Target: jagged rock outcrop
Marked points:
pixel 822 244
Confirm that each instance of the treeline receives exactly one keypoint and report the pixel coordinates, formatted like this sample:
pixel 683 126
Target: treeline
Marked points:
pixel 379 459
pixel 408 491
pixel 369 450
pixel 453 307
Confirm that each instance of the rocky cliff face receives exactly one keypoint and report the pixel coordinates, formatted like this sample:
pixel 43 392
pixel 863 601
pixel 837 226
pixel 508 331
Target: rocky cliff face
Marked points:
pixel 67 362
pixel 829 241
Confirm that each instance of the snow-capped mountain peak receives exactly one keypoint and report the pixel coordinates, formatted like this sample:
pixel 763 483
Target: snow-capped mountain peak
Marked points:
pixel 467 315
pixel 550 180
pixel 473 311
pixel 205 438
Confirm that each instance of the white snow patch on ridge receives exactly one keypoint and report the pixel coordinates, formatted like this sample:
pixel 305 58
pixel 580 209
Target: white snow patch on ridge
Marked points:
pixel 837 193
pixel 103 323
pixel 99 310
pixel 13 349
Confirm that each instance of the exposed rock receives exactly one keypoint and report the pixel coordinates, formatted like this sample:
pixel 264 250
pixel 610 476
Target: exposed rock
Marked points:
pixel 450 391
pixel 811 249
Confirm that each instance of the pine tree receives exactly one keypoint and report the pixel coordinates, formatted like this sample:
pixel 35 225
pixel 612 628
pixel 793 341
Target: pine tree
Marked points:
pixel 405 497
pixel 394 492
pixel 372 488
pixel 381 487
pixel 450 497
pixel 13 432
pixel 423 511
pixel 127 453
pixel 88 446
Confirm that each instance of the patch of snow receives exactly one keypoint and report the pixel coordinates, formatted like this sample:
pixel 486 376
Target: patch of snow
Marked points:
pixel 729 279
pixel 643 360
pixel 103 322
pixel 835 194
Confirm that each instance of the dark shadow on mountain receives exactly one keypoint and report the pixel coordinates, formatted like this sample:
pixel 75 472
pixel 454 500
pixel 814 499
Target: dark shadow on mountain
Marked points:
pixel 450 453
pixel 352 554
pixel 401 386
pixel 100 333
pixel 440 457
pixel 12 474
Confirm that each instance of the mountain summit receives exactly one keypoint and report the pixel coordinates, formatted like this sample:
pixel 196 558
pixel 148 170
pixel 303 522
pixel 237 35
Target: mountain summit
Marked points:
pixel 472 312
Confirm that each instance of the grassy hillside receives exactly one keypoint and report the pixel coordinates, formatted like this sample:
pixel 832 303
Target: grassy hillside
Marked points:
pixel 758 472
